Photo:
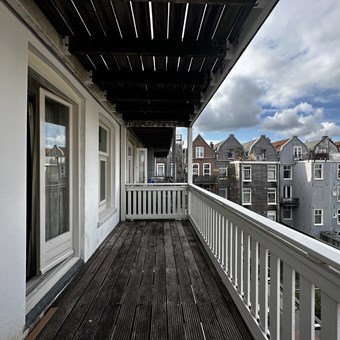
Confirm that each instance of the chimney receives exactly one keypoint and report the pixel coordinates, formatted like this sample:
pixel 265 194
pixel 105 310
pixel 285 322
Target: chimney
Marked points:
pixel 212 145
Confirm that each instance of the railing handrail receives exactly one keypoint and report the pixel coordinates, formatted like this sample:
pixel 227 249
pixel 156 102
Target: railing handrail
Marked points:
pixel 316 251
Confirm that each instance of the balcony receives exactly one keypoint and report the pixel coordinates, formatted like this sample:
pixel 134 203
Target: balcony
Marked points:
pixel 205 179
pixel 289 202
pixel 153 278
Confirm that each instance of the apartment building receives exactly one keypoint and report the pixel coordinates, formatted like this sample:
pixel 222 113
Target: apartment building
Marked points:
pixel 204 167
pixel 254 180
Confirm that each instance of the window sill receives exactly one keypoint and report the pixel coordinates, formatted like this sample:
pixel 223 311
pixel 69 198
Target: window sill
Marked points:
pixel 105 215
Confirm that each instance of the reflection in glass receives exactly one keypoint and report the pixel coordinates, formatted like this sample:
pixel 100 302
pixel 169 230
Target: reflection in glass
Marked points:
pixel 56 169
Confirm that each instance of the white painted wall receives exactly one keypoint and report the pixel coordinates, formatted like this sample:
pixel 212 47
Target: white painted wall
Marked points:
pixel 15 40
pixel 13 71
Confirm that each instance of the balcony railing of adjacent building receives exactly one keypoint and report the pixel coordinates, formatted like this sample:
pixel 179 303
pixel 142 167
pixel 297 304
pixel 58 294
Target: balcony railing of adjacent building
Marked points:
pixel 293 202
pixel 261 262
pixel 205 179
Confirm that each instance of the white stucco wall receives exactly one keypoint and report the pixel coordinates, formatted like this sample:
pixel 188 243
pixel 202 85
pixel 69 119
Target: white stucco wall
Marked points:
pixel 13 71
pixel 15 39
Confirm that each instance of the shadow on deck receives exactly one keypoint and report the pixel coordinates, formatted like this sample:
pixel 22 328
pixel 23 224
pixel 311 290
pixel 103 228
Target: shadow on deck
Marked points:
pixel 149 279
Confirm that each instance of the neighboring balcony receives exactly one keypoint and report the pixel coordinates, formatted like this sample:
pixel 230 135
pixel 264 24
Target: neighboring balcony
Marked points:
pixel 289 202
pixel 205 179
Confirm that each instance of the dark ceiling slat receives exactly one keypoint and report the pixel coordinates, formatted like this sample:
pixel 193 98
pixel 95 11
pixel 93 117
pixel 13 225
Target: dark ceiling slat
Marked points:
pixel 142 18
pixel 244 12
pixel 210 21
pixel 194 17
pixel 124 17
pixel 159 14
pixel 151 77
pixel 155 107
pixel 177 13
pixel 212 2
pixel 141 47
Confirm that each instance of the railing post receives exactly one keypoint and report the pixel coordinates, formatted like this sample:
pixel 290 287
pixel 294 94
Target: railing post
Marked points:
pixel 122 173
pixel 189 166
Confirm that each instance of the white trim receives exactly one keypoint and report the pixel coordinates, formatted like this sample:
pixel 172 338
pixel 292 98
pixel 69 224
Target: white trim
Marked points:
pixel 315 210
pixel 314 170
pixel 249 168
pixel 198 169
pixel 209 168
pixel 244 191
pixel 272 191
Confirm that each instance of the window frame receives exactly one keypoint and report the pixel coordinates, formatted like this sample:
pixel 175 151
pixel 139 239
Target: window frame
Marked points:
pixel 198 169
pixel 271 191
pixel 104 156
pixel 315 170
pixel 204 169
pixel 338 171
pixel 158 166
pixel 297 152
pixel 246 191
pixel 285 168
pixel 244 170
pixel 272 168
pixel 199 152
pixel 321 216
pixel 222 172
pixel 338 217
pixel 290 213
pixel 271 213
pixel 338 193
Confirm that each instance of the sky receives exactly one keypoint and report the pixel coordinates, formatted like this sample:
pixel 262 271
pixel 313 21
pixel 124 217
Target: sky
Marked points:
pixel 286 83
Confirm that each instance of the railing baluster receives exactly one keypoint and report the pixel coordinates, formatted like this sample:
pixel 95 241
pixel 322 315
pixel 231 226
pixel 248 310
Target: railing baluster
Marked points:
pixel 263 289
pixel 246 269
pixel 234 250
pixel 307 309
pixel 240 253
pixel 144 203
pixel 230 250
pixel 274 300
pixel 288 296
pixel 330 317
pixel 254 277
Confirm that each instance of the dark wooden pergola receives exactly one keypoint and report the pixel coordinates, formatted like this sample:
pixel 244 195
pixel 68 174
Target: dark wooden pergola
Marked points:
pixel 158 62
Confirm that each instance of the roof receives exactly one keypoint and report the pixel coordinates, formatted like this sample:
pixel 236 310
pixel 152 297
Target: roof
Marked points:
pixel 247 145
pixel 158 62
pixel 278 145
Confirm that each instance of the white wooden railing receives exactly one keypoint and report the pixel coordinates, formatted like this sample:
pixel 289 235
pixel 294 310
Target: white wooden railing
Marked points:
pixel 261 262
pixel 156 201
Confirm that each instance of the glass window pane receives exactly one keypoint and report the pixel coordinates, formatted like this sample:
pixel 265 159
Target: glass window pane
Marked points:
pixel 102 139
pixel 102 195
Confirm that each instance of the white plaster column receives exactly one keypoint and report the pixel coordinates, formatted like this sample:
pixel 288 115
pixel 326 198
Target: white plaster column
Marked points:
pixel 122 172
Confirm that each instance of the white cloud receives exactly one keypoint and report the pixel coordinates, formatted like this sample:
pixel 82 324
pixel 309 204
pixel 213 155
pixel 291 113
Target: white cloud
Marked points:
pixel 234 106
pixel 303 120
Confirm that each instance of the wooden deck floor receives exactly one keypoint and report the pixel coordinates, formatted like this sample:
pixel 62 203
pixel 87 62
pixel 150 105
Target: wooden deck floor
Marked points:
pixel 149 280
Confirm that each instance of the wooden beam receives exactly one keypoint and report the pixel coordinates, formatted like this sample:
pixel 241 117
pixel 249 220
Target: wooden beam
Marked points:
pixel 130 107
pixel 154 96
pixel 151 77
pixel 157 123
pixel 85 45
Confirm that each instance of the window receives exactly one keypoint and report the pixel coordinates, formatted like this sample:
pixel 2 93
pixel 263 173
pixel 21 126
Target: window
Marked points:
pixel 195 169
pixel 271 173
pixel 206 169
pixel 129 170
pixel 287 213
pixel 271 194
pixel 246 173
pixel 338 216
pixel 263 153
pixel 231 154
pixel 338 171
pixel 318 217
pixel 287 191
pixel 338 193
pixel 199 152
pixel 246 196
pixel 297 152
pixel 160 169
pixel 271 215
pixel 222 172
pixel 318 171
pixel 104 164
pixel 223 193
pixel 287 172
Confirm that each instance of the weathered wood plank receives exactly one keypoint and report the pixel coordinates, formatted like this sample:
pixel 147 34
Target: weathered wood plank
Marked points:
pixel 141 326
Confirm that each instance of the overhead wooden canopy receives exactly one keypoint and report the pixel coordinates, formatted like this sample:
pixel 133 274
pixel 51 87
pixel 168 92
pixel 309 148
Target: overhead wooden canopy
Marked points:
pixel 160 61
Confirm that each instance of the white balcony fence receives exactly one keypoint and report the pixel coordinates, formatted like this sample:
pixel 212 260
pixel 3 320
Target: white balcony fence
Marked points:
pixel 262 263
pixel 156 201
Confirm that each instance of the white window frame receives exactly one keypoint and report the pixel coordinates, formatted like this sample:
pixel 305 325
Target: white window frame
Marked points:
pixel 320 165
pixel 297 152
pixel 317 213
pixel 162 167
pixel 246 191
pixel 288 191
pixel 129 168
pixel 290 169
pixel 246 168
pixel 195 166
pixel 271 191
pixel 222 172
pixel 104 157
pixel 290 213
pixel 199 152
pixel 206 166
pixel 272 169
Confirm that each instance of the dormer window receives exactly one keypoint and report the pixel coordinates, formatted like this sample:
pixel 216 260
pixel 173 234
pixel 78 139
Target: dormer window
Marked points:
pixel 199 152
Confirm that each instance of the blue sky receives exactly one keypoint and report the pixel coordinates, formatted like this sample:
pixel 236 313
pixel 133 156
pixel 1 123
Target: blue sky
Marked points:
pixel 286 83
